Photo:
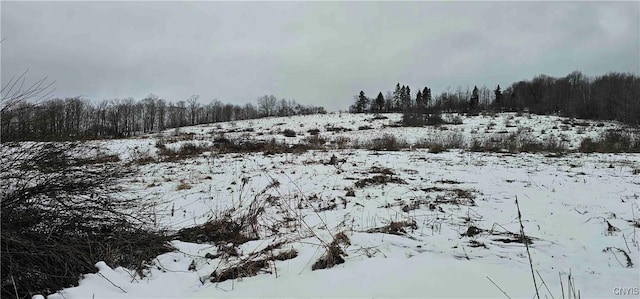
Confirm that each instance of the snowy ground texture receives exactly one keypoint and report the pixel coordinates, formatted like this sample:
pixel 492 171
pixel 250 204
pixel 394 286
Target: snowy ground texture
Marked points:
pixel 409 223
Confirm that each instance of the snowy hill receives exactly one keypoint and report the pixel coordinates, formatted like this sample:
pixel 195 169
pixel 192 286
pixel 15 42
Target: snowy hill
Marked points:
pixel 406 222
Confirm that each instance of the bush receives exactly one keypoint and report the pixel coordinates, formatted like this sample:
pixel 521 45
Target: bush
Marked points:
pixel 436 148
pixel 336 129
pixel 517 142
pixel 456 120
pixel 183 186
pixel 435 120
pixel 484 146
pixel 289 133
pixel 313 132
pixel 186 150
pixel 141 157
pixel 455 140
pixel 554 145
pixel 60 217
pixel 315 141
pixel 612 142
pixel 387 142
pixel 413 119
pixel 342 141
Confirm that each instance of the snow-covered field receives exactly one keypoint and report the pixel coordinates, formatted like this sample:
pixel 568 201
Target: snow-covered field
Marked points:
pixel 417 224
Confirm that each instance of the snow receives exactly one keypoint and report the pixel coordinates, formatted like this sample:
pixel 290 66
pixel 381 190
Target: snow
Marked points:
pixel 566 203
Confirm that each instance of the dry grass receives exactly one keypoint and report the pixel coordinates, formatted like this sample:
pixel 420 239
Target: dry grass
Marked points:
pixel 183 186
pixel 395 227
pixel 333 254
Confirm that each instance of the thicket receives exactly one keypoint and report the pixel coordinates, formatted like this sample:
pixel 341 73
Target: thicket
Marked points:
pixel 60 212
pixel 60 215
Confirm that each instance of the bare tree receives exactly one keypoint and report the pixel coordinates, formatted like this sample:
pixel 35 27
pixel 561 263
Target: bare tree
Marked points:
pixel 267 105
pixel 193 108
pixel 15 91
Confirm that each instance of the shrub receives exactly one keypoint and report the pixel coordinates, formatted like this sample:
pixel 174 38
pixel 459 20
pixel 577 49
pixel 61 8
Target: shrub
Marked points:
pixel 314 140
pixel 435 120
pixel 183 186
pixel 436 148
pixel 65 220
pixel 186 150
pixel 456 120
pixel 517 142
pixel 342 141
pixel 336 129
pixel 160 144
pixel 612 142
pixel 555 145
pixel 413 119
pixel 454 140
pixel 387 142
pixel 314 132
pixel 289 133
pixel 141 157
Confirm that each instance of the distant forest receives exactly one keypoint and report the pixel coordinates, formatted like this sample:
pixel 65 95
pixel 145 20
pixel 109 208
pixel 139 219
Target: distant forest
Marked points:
pixel 614 96
pixel 79 118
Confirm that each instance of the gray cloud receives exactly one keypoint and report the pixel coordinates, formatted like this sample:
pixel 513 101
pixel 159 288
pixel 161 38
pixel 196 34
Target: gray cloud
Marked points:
pixel 316 52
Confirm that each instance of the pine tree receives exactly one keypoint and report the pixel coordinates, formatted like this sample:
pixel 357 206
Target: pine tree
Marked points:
pixel 419 100
pixel 397 98
pixel 498 101
pixel 474 100
pixel 363 103
pixel 378 105
pixel 401 105
pixel 405 97
pixel 426 96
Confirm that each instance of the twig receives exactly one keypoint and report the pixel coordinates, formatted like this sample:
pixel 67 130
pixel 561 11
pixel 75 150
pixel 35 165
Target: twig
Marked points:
pixel 633 217
pixel 465 253
pixel 101 275
pixel 498 287
pixel 570 286
pixel 545 285
pixel 561 286
pixel 15 289
pixel 275 268
pixel 625 243
pixel 524 240
pixel 629 262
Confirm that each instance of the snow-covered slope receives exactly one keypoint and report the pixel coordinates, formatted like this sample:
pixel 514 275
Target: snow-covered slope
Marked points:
pixel 417 224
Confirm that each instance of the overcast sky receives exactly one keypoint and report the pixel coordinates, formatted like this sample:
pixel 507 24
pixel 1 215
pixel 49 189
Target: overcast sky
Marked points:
pixel 313 52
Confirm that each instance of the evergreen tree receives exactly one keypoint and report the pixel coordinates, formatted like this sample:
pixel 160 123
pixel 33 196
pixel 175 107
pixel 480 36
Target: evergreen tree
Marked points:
pixel 498 101
pixel 426 96
pixel 474 100
pixel 403 91
pixel 363 103
pixel 419 100
pixel 405 97
pixel 378 106
pixel 397 98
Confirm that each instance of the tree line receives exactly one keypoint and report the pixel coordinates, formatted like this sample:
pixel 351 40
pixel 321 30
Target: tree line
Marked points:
pixel 80 118
pixel 613 96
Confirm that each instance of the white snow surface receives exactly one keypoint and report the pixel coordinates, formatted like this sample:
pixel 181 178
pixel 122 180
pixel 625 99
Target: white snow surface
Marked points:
pixel 566 202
